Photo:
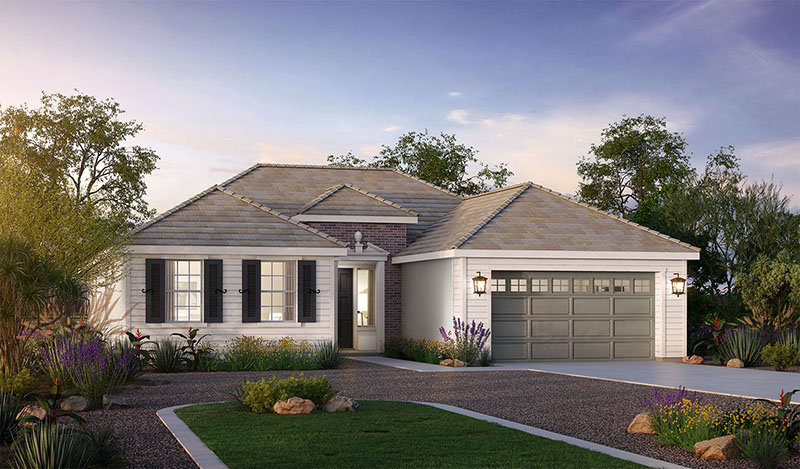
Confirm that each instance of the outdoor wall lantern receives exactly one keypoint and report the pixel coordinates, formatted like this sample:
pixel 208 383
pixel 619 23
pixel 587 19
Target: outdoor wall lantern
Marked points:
pixel 479 284
pixel 678 285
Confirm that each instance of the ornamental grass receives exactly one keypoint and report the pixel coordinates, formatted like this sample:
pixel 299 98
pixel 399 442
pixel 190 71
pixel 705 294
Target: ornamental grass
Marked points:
pixel 255 353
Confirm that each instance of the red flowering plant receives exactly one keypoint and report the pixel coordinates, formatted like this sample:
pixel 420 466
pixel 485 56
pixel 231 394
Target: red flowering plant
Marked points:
pixel 788 413
pixel 708 338
pixel 191 352
pixel 141 356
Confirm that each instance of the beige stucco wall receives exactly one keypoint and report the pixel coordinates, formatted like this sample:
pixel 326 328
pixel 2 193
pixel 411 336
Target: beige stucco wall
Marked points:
pixel 427 298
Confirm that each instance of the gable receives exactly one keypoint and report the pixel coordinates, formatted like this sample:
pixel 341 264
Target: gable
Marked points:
pixel 345 200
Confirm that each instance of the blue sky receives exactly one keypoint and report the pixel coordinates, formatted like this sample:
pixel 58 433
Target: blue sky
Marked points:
pixel 222 85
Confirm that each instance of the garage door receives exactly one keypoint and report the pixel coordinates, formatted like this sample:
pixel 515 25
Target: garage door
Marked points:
pixel 572 316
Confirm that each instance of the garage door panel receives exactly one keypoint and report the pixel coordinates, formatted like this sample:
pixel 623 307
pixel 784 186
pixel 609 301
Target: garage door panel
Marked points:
pixel 591 328
pixel 591 350
pixel 632 328
pixel 550 351
pixel 638 306
pixel 591 306
pixel 632 349
pixel 541 306
pixel 550 328
pixel 514 306
pixel 510 328
pixel 517 351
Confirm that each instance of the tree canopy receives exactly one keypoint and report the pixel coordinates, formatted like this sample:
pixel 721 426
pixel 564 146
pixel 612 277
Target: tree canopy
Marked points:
pixel 635 159
pixel 439 160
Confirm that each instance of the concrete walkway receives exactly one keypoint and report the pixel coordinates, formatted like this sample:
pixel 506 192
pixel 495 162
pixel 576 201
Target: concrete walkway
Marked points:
pixel 738 382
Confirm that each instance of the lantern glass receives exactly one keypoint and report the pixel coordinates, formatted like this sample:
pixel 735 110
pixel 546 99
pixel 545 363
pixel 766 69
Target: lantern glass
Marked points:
pixel 678 285
pixel 479 284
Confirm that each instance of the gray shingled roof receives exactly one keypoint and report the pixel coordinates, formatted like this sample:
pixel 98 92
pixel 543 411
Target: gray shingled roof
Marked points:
pixel 218 217
pixel 346 199
pixel 531 217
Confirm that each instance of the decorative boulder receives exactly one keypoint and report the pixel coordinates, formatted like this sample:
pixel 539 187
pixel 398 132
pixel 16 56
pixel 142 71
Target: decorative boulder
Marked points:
pixel 75 404
pixel 735 363
pixel 458 364
pixel 641 424
pixel 114 400
pixel 446 362
pixel 293 406
pixel 32 410
pixel 693 360
pixel 339 403
pixel 722 448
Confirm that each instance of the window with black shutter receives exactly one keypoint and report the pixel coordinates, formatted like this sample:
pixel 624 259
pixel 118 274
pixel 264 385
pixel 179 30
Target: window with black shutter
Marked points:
pixel 307 291
pixel 251 291
pixel 155 286
pixel 213 290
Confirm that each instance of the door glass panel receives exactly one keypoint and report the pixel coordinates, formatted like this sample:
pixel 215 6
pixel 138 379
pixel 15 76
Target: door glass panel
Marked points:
pixel 364 278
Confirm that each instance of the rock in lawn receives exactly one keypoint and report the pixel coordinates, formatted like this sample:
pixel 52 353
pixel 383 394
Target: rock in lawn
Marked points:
pixel 693 360
pixel 722 448
pixel 458 363
pixel 340 403
pixel 114 400
pixel 446 362
pixel 75 404
pixel 293 406
pixel 735 363
pixel 31 410
pixel 641 424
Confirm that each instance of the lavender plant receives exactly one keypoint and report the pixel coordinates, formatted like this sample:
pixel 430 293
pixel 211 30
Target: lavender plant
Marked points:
pixel 662 399
pixel 87 364
pixel 465 341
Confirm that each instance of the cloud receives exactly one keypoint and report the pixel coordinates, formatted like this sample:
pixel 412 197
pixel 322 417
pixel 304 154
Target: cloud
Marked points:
pixel 458 116
pixel 391 128
pixel 370 149
pixel 779 160
pixel 454 94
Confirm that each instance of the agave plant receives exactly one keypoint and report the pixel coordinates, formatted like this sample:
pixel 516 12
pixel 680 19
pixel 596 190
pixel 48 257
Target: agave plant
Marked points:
pixel 166 357
pixel 328 355
pixel 9 409
pixel 51 447
pixel 743 343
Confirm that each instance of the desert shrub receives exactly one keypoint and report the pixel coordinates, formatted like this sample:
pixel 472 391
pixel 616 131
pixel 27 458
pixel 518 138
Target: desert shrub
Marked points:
pixel 254 353
pixel 766 444
pixel 393 348
pixel 685 423
pixel 465 341
pixel 328 355
pixel 207 358
pixel 781 356
pixel 787 337
pixel 485 358
pixel 51 446
pixel 21 383
pixel 744 343
pixel 261 396
pixel 420 350
pixel 85 362
pixel 166 357
pixel 104 447
pixel 9 408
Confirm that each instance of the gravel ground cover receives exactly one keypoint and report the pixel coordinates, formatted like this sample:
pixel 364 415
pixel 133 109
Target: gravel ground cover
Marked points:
pixel 594 410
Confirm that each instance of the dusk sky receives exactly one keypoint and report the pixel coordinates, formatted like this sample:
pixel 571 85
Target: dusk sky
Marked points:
pixel 220 86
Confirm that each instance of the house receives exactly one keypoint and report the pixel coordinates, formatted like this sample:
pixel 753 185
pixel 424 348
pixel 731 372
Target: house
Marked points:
pixel 360 255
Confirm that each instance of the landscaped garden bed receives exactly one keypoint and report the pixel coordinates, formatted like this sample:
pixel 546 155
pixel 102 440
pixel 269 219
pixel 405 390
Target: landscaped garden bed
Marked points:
pixel 380 434
pixel 465 345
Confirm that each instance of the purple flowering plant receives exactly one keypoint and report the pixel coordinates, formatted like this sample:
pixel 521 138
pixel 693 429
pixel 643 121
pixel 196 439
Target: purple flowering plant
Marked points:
pixel 87 363
pixel 664 398
pixel 466 341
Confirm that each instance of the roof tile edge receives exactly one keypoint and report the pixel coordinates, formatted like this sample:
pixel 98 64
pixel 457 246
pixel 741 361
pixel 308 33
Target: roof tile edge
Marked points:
pixel 522 188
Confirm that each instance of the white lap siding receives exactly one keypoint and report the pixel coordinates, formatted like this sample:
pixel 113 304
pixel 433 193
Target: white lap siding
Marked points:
pixel 231 325
pixel 674 335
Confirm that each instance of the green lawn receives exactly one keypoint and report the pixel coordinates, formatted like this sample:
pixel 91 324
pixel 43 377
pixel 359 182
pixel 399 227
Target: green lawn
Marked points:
pixel 381 434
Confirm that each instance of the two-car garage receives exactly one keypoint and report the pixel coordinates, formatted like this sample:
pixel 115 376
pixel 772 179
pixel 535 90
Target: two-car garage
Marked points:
pixel 572 315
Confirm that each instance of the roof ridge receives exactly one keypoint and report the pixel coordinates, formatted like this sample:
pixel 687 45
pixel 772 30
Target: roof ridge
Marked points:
pixel 174 209
pixel 523 187
pixel 380 199
pixel 279 215
pixel 610 215
pixel 495 191
pixel 441 189
pixel 327 193
pixel 239 175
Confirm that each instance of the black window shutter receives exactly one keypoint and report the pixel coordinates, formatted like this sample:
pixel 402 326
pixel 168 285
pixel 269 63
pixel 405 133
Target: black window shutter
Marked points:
pixel 307 291
pixel 155 286
pixel 251 291
pixel 213 290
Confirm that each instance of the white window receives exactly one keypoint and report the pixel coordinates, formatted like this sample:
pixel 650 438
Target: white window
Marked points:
pixel 498 285
pixel 364 279
pixel 518 284
pixel 602 285
pixel 560 285
pixel 538 284
pixel 641 285
pixel 581 285
pixel 622 285
pixel 184 291
pixel 277 291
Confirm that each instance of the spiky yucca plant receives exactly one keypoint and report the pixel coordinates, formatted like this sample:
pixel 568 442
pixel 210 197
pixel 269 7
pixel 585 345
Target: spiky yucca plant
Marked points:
pixel 51 446
pixel 743 343
pixel 328 355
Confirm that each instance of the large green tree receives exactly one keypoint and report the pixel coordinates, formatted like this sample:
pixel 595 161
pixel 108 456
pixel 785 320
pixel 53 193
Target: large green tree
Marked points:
pixel 635 159
pixel 78 143
pixel 439 160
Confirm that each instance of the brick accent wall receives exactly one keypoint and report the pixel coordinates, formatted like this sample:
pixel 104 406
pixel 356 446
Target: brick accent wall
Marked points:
pixel 388 236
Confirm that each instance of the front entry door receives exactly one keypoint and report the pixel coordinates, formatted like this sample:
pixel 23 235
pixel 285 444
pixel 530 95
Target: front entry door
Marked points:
pixel 345 299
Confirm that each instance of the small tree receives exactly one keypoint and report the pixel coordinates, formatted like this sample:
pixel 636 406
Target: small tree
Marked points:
pixel 33 294
pixel 772 291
